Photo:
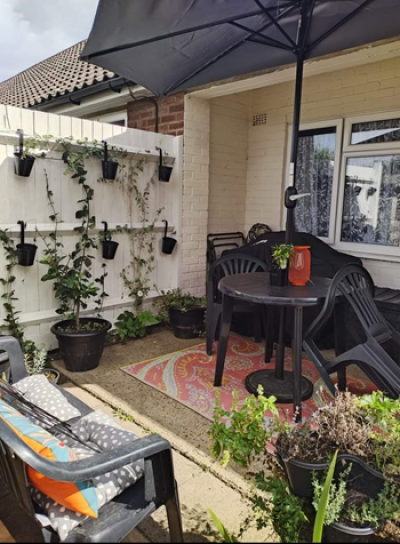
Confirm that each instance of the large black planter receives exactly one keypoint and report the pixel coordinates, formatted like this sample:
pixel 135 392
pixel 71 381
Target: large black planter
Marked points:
pixel 363 478
pixel 110 169
pixel 81 351
pixel 26 254
pixel 340 533
pixel 109 249
pixel 23 167
pixel 187 324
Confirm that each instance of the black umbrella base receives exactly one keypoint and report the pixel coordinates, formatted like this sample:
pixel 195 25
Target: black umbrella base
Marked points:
pixel 283 390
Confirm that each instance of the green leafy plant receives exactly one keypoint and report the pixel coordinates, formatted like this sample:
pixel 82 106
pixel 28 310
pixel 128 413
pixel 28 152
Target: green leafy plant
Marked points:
pixel 240 435
pixel 227 537
pixel 35 359
pixel 375 512
pixel 176 298
pixel 284 510
pixel 281 255
pixel 34 143
pixel 129 325
pixel 328 495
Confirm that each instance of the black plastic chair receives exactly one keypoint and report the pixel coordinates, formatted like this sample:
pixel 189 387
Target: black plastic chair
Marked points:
pixel 227 266
pixel 119 517
pixel 354 286
pixel 219 242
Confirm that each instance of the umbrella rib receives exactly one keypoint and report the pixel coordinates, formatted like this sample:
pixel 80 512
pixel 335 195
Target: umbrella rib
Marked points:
pixel 132 45
pixel 227 52
pixel 274 21
pixel 338 25
pixel 267 41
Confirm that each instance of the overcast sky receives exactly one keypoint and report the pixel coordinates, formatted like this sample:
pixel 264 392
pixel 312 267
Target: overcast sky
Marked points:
pixel 32 30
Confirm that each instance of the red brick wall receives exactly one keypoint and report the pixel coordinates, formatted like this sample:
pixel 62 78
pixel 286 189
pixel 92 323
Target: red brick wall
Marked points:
pixel 142 116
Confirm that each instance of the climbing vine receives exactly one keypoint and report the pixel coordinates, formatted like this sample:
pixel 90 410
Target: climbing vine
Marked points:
pixel 11 320
pixel 136 275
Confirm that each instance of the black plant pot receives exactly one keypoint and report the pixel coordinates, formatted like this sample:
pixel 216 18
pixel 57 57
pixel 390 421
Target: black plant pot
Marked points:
pixel 110 169
pixel 168 245
pixel 26 254
pixel 109 249
pixel 23 167
pixel 164 173
pixel 278 277
pixel 340 533
pixel 81 351
pixel 187 324
pixel 362 478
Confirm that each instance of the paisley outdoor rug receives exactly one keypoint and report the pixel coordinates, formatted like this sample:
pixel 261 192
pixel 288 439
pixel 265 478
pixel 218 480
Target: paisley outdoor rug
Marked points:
pixel 188 377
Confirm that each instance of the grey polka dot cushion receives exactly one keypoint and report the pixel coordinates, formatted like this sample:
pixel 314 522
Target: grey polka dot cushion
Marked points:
pixel 39 391
pixel 95 429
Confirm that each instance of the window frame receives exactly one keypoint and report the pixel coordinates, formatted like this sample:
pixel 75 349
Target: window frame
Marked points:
pixel 348 147
pixel 338 124
pixel 367 250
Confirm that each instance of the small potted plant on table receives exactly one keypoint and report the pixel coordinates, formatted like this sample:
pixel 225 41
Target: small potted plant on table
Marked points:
pixel 280 260
pixel 183 311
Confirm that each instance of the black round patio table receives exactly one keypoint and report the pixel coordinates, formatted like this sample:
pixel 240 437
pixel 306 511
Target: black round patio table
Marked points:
pixel 256 288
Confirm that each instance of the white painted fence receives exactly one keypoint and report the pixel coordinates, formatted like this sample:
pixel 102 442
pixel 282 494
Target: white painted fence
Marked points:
pixel 25 199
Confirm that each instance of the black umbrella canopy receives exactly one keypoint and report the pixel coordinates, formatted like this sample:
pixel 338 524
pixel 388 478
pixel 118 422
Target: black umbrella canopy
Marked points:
pixel 173 45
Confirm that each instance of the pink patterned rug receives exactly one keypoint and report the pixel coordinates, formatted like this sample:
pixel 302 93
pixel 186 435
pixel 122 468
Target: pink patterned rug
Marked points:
pixel 188 376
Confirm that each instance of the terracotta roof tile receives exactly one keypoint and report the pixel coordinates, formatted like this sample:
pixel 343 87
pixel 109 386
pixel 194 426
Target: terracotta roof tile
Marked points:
pixel 56 76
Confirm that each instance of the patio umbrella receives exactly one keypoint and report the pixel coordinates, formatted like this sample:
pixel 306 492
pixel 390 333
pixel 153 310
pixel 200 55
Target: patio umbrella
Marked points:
pixel 169 46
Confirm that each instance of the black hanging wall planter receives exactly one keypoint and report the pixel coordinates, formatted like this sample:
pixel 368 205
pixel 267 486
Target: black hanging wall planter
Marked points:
pixel 164 172
pixel 168 244
pixel 26 253
pixel 109 247
pixel 110 167
pixel 23 165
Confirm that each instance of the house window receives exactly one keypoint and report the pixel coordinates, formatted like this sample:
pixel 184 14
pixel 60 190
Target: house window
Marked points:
pixel 376 132
pixel 371 206
pixel 354 184
pixel 315 175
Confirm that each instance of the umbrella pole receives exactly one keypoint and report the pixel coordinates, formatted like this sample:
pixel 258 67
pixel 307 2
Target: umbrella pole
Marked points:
pixel 291 190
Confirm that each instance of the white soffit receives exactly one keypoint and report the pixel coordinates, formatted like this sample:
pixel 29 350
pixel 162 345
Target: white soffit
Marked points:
pixel 366 55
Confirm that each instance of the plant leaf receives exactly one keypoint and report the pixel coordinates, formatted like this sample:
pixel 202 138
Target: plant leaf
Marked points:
pixel 323 503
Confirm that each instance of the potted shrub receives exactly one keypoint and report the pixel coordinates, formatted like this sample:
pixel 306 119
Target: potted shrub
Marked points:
pixel 280 260
pixel 345 425
pixel 183 311
pixel 81 340
pixel 354 508
pixel 35 362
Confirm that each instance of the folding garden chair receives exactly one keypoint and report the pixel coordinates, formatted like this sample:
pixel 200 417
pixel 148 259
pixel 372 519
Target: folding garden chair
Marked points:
pixel 354 286
pixel 119 517
pixel 227 266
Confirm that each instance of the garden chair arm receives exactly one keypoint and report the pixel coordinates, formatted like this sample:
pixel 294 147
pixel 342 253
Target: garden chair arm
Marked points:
pixel 85 469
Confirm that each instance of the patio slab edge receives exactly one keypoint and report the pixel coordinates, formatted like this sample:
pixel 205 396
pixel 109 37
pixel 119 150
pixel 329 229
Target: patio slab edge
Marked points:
pixel 226 475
